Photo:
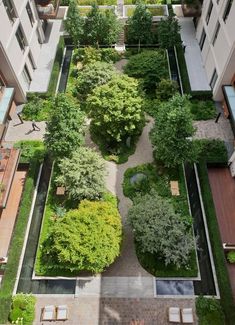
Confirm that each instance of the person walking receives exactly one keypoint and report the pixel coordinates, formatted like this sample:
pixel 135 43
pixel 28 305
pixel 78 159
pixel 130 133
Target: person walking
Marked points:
pixel 35 127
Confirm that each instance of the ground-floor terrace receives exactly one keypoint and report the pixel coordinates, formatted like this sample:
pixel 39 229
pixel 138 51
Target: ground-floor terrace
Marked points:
pixel 113 311
pixel 223 191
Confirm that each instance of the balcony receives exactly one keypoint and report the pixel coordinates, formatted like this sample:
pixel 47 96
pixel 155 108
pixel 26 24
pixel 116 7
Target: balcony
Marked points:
pixel 47 9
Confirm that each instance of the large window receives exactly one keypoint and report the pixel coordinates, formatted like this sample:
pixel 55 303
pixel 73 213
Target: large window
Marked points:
pixel 30 13
pixel 202 39
pixel 209 12
pixel 213 79
pixel 217 29
pixel 9 9
pixel 26 76
pixel 20 38
pixel 227 9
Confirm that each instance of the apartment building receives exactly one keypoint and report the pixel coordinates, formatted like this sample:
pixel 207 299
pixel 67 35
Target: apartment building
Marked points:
pixel 216 36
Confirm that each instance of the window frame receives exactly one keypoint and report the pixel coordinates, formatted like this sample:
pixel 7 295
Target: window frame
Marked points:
pixel 227 10
pixel 208 15
pixel 21 38
pixel 202 39
pixel 214 79
pixel 26 75
pixel 216 33
pixel 30 13
pixel 10 10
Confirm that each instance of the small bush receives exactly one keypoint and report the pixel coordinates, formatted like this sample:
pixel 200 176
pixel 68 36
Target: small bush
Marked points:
pixel 23 306
pixel 231 257
pixel 37 109
pixel 209 311
pixel 203 110
pixel 30 149
pixel 212 151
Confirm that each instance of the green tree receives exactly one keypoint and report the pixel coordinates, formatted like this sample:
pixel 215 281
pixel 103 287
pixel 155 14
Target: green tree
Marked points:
pixel 88 238
pixel 100 27
pixel 82 175
pixel 150 66
pixel 65 128
pixel 74 22
pixel 139 26
pixel 23 306
pixel 93 75
pixel 172 132
pixel 116 109
pixel 159 230
pixel 166 88
pixel 168 32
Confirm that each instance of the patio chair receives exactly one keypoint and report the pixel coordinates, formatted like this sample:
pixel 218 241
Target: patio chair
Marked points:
pixel 174 315
pixel 48 313
pixel 187 315
pixel 62 312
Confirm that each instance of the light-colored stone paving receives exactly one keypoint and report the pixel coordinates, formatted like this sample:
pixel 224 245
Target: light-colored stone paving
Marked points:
pixel 42 75
pixel 113 311
pixel 197 75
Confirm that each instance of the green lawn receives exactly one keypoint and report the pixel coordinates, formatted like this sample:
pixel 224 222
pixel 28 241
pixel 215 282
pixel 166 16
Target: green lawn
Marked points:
pixel 98 2
pixel 149 2
pixel 159 178
pixel 84 11
pixel 155 11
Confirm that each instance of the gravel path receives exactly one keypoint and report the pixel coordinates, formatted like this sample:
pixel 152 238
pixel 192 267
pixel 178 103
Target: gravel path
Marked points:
pixel 127 264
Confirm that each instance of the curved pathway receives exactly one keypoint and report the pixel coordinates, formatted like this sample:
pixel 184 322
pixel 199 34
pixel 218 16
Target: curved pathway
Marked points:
pixel 127 264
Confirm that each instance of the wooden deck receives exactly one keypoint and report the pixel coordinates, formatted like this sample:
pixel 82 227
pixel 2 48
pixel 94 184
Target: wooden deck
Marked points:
pixel 223 191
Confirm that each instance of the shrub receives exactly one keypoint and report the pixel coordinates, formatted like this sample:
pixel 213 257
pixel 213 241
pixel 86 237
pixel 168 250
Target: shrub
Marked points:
pixel 150 66
pixel 212 151
pixel 209 311
pixel 37 109
pixel 166 88
pixel 82 175
pixel 23 306
pixel 88 238
pixel 203 110
pixel 30 149
pixel 231 257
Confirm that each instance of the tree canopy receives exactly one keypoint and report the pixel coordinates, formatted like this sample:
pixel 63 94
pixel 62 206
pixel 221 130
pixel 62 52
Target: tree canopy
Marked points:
pixel 93 75
pixel 100 27
pixel 82 175
pixel 150 66
pixel 159 230
pixel 88 238
pixel 65 128
pixel 74 22
pixel 139 25
pixel 116 109
pixel 168 32
pixel 172 132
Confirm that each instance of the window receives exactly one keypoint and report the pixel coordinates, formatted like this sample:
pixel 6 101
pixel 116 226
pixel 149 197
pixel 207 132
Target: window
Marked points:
pixel 9 9
pixel 213 79
pixel 20 38
pixel 227 9
pixel 30 13
pixel 31 61
pixel 217 28
pixel 209 12
pixel 2 85
pixel 26 76
pixel 202 39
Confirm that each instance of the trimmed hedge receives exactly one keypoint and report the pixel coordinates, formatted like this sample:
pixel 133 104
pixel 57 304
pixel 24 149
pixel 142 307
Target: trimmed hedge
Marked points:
pixel 17 241
pixel 183 70
pixel 218 253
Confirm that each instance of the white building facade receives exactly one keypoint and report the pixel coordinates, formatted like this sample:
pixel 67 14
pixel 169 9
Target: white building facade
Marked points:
pixel 216 36
pixel 21 36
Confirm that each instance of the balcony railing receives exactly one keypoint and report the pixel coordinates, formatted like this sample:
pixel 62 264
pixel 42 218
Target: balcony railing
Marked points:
pixel 47 9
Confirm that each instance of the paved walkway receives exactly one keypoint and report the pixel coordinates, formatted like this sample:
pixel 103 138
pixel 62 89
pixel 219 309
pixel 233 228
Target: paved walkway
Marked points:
pixel 17 131
pixel 196 71
pixel 113 311
pixel 42 74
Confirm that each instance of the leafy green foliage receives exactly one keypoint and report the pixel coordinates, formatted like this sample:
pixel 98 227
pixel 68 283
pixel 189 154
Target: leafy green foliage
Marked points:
pixel 166 88
pixel 37 109
pixel 172 131
pixel 88 238
pixel 93 75
pixel 65 128
pixel 116 110
pixel 89 54
pixel 183 70
pixel 209 311
pixel 168 32
pixel 82 175
pixel 211 151
pixel 151 105
pixel 74 23
pixel 30 150
pixel 158 229
pixel 139 26
pixel 150 66
pixel 231 257
pixel 203 110
pixel 100 27
pixel 23 306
